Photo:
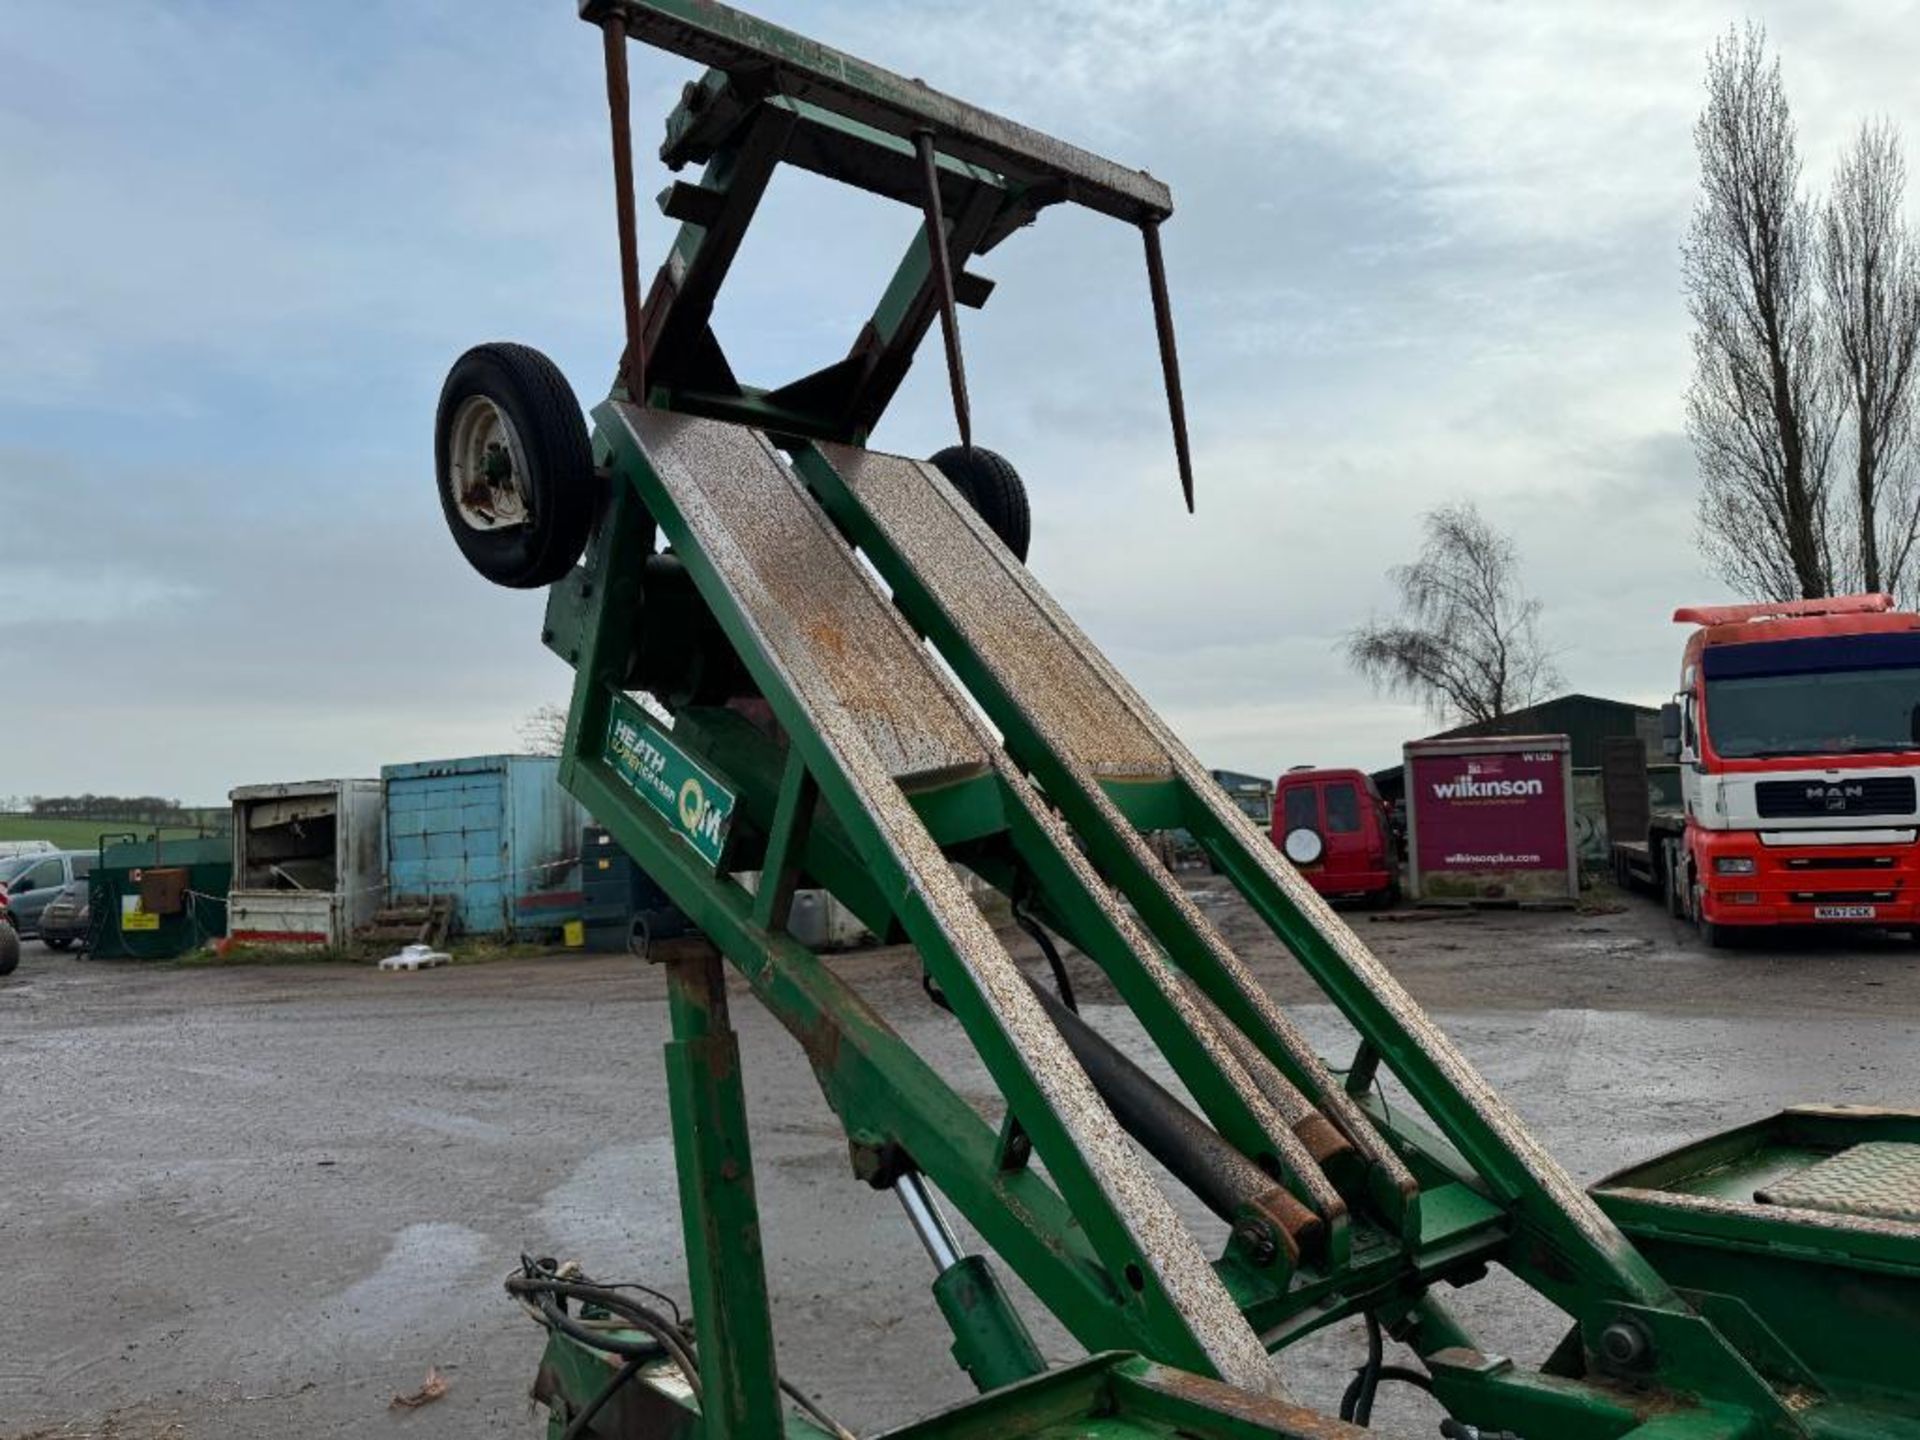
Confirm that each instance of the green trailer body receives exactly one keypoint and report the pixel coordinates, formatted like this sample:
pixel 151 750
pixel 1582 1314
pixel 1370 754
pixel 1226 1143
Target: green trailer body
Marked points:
pixel 858 685
pixel 123 928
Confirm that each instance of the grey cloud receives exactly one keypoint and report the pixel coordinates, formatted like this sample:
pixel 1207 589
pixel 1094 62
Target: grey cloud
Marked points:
pixel 1422 252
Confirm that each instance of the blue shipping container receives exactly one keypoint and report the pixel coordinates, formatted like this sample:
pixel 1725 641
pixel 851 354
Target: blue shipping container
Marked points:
pixel 495 831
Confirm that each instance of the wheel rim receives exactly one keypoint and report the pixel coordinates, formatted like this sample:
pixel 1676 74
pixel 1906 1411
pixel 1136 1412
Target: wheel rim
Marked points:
pixel 486 467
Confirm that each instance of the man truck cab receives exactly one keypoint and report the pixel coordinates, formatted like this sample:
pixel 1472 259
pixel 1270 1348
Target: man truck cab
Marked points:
pixel 1334 827
pixel 1797 728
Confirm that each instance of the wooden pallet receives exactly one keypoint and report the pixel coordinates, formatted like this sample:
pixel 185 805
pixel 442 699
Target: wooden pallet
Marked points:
pixel 413 919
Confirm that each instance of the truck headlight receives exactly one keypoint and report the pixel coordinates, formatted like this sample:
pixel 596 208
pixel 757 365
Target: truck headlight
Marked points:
pixel 1734 865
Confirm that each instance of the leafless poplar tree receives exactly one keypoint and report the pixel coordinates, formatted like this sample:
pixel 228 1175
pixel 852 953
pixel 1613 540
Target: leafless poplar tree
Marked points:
pixel 544 730
pixel 1871 278
pixel 1467 642
pixel 1761 408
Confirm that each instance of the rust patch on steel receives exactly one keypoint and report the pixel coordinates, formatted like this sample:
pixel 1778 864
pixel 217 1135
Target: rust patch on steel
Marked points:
pixel 1087 714
pixel 843 647
pixel 1776 1214
pixel 1323 1141
pixel 1281 1418
pixel 1299 1224
pixel 821 1042
pixel 884 714
pixel 967 569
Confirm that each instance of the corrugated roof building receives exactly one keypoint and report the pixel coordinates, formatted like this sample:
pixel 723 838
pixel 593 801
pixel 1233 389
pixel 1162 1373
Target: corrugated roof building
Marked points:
pixel 1586 721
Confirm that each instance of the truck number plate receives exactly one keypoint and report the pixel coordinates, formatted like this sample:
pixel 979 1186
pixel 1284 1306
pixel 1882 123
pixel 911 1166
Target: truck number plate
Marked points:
pixel 1844 912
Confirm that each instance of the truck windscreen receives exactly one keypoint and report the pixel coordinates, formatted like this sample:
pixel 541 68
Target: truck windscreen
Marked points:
pixel 1834 695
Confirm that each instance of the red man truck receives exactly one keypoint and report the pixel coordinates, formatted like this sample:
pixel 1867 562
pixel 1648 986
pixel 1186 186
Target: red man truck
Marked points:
pixel 1797 728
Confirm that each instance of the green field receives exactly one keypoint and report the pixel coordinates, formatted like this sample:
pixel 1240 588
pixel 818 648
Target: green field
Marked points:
pixel 79 834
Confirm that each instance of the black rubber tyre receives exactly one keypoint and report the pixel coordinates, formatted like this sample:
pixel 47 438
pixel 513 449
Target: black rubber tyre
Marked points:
pixel 56 944
pixel 991 485
pixel 9 949
pixel 546 489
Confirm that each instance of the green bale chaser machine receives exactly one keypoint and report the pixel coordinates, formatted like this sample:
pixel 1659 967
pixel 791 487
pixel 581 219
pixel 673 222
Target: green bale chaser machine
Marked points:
pixel 865 688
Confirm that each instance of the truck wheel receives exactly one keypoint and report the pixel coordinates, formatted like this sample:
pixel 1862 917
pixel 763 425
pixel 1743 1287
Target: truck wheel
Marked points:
pixel 1716 937
pixel 990 484
pixel 514 465
pixel 9 949
pixel 56 944
pixel 1664 877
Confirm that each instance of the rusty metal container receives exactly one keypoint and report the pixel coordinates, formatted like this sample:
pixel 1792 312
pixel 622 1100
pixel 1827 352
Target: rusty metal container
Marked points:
pixel 496 832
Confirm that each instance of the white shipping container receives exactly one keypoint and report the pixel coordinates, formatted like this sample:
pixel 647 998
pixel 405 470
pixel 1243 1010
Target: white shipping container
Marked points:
pixel 309 861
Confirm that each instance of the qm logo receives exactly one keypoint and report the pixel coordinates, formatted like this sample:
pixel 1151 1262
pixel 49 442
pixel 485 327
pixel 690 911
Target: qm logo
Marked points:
pixel 700 817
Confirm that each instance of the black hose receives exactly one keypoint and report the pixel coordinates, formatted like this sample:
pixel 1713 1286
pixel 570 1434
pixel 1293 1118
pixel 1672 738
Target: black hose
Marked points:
pixel 1453 1429
pixel 542 1289
pixel 1416 1378
pixel 1357 1404
pixel 577 1427
pixel 539 1284
pixel 1045 941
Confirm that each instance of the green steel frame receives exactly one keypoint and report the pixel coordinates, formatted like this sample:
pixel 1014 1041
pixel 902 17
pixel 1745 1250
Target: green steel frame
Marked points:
pixel 1688 1316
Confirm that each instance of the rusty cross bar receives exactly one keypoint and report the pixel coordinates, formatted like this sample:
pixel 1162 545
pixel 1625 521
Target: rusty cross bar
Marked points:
pixel 633 362
pixel 943 279
pixel 1169 355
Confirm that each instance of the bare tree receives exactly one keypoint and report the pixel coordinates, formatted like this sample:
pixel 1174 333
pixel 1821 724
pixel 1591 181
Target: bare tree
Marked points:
pixel 1761 410
pixel 1871 278
pixel 544 731
pixel 1467 642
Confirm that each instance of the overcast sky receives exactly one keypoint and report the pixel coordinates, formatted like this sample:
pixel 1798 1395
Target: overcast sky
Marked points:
pixel 1422 252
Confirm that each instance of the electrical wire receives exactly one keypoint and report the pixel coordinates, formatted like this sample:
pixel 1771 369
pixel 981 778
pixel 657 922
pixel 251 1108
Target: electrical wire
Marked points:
pixel 826 1421
pixel 1045 941
pixel 577 1427
pixel 1356 1405
pixel 1367 1383
pixel 647 1290
pixel 1419 1379
pixel 542 1288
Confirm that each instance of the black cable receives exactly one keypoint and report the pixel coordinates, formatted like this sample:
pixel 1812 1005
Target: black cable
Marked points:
pixel 1045 941
pixel 651 1321
pixel 1453 1429
pixel 933 992
pixel 1357 1404
pixel 1416 1378
pixel 577 1426
pixel 541 1284
pixel 541 1290
pixel 558 1319
pixel 660 1295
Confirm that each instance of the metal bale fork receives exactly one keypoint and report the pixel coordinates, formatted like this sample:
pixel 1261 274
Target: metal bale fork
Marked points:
pixel 850 680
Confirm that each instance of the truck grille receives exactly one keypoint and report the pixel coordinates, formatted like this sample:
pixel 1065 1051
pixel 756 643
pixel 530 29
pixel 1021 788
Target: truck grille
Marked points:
pixel 1841 862
pixel 1871 795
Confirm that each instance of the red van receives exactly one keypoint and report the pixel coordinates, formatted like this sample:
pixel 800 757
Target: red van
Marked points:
pixel 1333 825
